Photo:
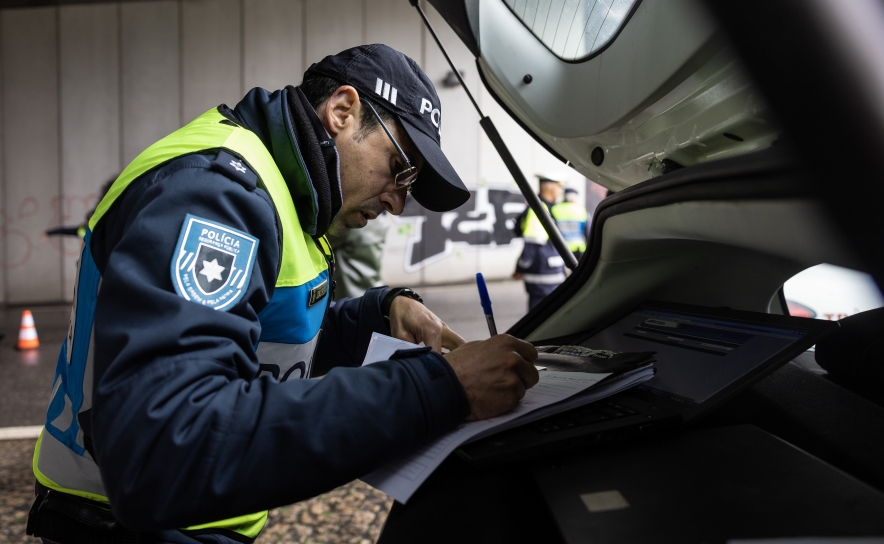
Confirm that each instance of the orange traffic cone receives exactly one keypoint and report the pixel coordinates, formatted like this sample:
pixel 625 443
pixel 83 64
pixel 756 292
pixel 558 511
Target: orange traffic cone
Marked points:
pixel 27 333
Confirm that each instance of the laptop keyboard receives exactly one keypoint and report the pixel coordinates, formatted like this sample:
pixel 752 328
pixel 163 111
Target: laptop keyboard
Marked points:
pixel 585 415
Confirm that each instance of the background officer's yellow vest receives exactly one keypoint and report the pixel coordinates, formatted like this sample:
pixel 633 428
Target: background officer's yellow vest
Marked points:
pixel 532 229
pixel 571 220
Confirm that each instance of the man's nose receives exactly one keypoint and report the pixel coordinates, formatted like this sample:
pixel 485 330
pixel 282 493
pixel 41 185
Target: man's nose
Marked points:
pixel 394 201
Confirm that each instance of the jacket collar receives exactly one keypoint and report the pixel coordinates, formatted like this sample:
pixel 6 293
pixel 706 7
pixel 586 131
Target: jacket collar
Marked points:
pixel 301 148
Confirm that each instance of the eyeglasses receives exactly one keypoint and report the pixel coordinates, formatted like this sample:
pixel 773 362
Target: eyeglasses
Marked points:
pixel 408 175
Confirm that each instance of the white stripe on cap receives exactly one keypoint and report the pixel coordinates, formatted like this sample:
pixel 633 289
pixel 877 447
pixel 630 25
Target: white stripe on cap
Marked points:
pixel 387 91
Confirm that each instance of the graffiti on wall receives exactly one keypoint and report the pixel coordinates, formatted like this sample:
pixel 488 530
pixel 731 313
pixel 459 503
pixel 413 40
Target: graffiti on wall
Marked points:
pixel 18 244
pixel 22 227
pixel 486 220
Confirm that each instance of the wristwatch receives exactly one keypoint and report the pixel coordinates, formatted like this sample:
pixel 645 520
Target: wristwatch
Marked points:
pixel 397 292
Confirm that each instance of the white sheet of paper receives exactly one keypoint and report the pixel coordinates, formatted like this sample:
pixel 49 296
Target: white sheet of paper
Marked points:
pixel 381 347
pixel 401 478
pixel 604 390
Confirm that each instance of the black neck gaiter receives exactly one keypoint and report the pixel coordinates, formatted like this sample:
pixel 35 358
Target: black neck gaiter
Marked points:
pixel 290 129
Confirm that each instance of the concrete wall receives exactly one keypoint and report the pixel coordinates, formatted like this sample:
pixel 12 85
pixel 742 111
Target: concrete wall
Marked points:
pixel 85 88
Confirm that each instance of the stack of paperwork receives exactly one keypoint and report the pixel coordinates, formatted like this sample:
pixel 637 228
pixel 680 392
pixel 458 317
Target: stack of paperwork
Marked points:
pixel 554 393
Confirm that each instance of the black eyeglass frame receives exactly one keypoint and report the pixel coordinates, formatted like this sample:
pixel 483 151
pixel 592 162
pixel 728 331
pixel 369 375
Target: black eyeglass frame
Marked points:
pixel 409 173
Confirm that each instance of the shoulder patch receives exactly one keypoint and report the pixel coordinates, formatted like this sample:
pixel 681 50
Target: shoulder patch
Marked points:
pixel 236 169
pixel 212 263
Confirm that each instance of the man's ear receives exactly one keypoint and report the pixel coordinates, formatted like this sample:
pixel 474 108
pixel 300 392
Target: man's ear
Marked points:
pixel 341 112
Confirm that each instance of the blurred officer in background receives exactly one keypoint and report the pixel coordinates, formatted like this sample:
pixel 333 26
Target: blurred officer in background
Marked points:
pixel 540 266
pixel 570 216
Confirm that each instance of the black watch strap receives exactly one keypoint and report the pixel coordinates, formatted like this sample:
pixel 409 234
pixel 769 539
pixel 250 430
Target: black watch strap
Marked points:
pixel 397 292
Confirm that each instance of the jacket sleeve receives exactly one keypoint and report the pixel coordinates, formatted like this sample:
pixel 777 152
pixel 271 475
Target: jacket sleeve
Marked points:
pixel 347 330
pixel 183 431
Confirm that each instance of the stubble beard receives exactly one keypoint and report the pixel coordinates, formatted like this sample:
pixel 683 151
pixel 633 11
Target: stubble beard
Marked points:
pixel 340 226
pixel 337 227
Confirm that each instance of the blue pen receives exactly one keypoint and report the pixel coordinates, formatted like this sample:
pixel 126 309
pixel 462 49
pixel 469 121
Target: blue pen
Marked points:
pixel 486 304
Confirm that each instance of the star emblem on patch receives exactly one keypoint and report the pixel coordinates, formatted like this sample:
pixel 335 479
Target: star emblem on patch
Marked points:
pixel 213 263
pixel 212 270
pixel 238 166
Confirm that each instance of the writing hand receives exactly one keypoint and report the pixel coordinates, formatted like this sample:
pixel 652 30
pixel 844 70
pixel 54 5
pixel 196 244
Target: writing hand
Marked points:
pixel 495 373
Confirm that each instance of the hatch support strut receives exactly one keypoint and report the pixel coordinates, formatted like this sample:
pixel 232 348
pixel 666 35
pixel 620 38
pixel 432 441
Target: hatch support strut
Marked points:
pixel 491 131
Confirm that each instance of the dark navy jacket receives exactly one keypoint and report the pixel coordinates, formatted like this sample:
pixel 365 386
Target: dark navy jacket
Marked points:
pixel 181 428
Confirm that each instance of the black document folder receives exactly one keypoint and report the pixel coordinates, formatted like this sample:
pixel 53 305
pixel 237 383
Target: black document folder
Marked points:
pixel 704 356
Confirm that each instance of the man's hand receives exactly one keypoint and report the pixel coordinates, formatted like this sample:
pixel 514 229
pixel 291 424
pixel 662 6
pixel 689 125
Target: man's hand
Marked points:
pixel 495 373
pixel 413 322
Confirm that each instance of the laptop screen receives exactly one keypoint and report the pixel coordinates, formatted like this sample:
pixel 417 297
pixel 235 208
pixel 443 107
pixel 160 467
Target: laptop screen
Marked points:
pixel 697 356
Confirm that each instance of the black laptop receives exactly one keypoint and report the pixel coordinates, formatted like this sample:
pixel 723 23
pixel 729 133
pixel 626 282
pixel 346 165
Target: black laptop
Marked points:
pixel 704 356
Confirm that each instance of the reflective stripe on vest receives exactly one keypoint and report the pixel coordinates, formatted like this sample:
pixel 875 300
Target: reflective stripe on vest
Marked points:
pixel 544 279
pixel 289 324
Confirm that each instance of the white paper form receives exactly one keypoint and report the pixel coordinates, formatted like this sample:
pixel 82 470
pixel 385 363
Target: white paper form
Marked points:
pixel 381 347
pixel 603 390
pixel 401 478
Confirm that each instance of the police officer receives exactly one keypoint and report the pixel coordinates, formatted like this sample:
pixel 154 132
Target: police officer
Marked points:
pixel 570 218
pixel 540 266
pixel 180 409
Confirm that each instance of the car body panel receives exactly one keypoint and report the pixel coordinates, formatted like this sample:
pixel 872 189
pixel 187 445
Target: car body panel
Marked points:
pixel 730 228
pixel 667 87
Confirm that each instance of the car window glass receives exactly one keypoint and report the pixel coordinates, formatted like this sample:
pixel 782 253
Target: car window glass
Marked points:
pixel 831 292
pixel 573 29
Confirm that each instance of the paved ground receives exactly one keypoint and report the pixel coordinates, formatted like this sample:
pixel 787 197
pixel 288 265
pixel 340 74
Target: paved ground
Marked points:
pixel 459 306
pixel 25 377
pixel 353 513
